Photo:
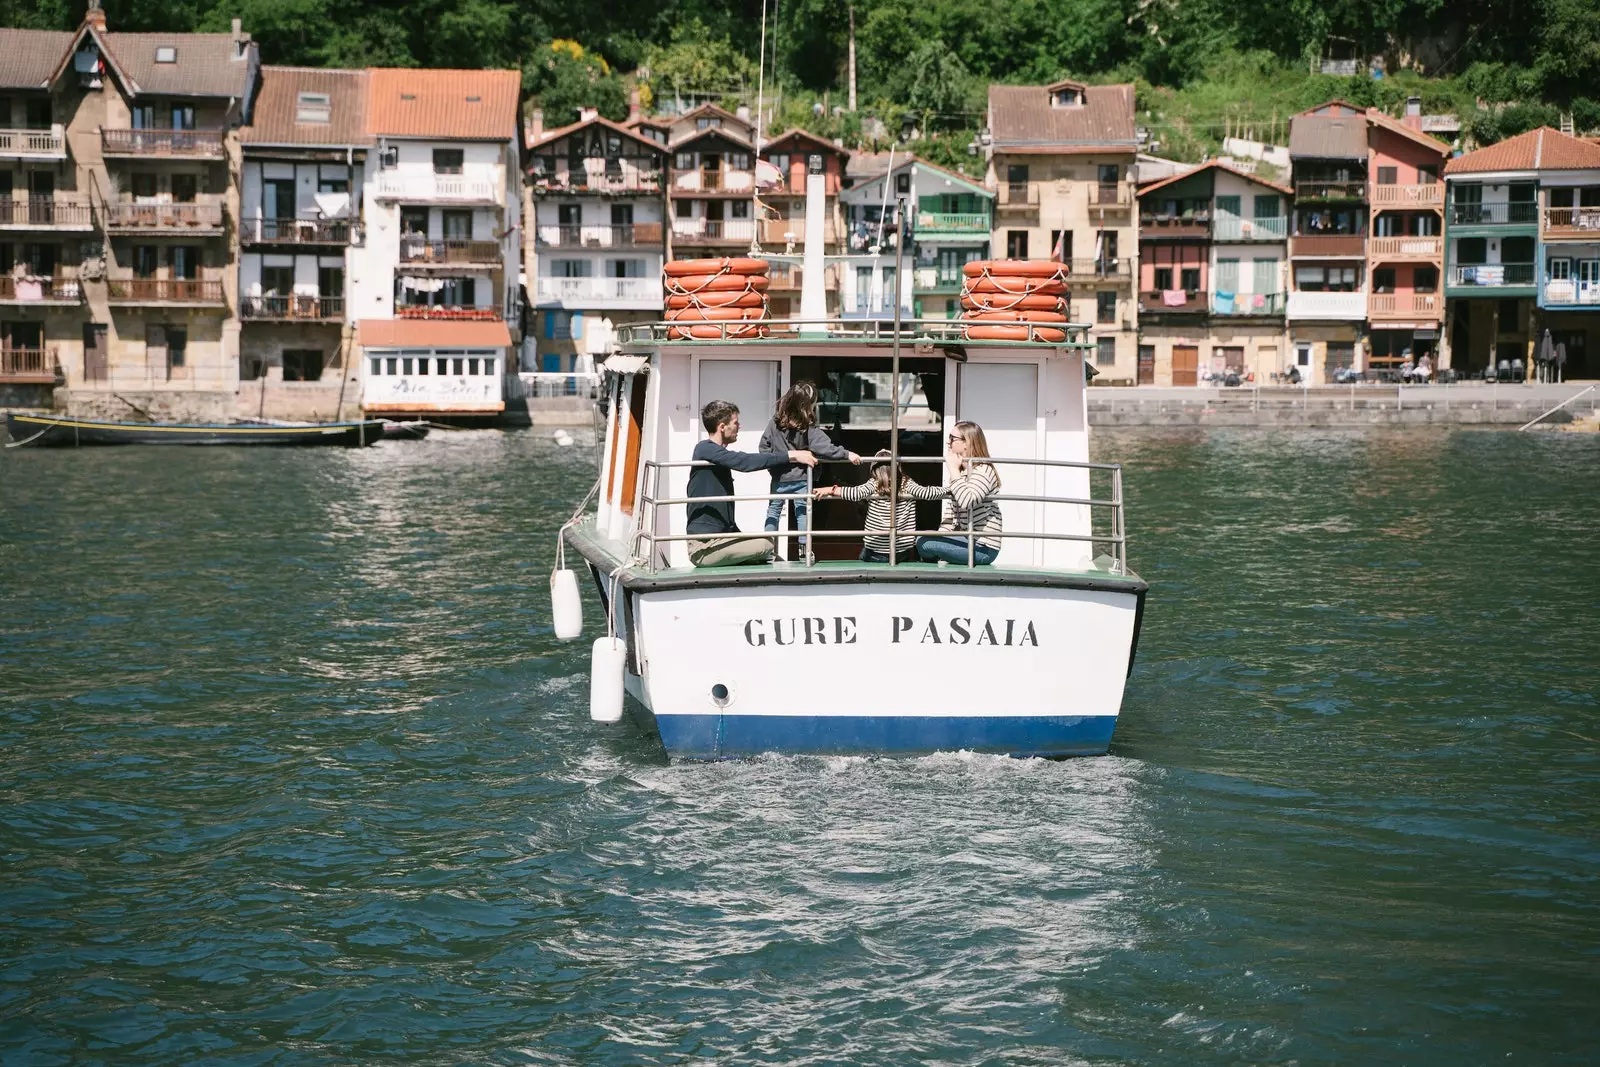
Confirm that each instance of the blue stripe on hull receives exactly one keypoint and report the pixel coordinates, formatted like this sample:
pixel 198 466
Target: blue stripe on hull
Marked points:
pixel 719 736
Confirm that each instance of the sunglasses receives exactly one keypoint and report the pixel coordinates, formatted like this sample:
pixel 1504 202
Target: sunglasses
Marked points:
pixel 957 437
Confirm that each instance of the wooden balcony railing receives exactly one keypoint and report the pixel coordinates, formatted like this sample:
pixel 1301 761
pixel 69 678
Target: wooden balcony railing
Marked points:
pixel 1572 222
pixel 296 308
pixel 203 143
pixel 27 289
pixel 451 251
pixel 28 365
pixel 629 235
pixel 1196 224
pixel 598 181
pixel 44 212
pixel 1330 190
pixel 1335 245
pixel 1401 248
pixel 1404 305
pixel 723 180
pixel 18 143
pixel 455 312
pixel 165 290
pixel 1177 301
pixel 254 230
pixel 708 231
pixel 1406 196
pixel 126 215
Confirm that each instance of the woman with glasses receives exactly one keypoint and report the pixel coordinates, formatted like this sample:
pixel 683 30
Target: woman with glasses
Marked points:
pixel 972 487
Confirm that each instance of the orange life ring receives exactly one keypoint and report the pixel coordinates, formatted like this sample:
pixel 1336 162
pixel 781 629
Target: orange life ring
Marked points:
pixel 699 283
pixel 1008 302
pixel 678 268
pixel 1014 333
pixel 698 314
pixel 1014 316
pixel 711 332
pixel 1015 268
pixel 1015 286
pixel 717 298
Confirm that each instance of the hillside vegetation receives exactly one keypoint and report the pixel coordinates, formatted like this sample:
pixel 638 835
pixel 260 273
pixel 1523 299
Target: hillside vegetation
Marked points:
pixel 1202 66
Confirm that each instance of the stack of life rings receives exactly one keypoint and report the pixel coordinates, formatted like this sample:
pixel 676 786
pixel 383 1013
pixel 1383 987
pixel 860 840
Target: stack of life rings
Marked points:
pixel 1014 299
pixel 717 294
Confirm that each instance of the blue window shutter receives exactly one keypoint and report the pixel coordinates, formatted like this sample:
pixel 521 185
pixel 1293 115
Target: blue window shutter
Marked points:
pixel 549 326
pixel 577 325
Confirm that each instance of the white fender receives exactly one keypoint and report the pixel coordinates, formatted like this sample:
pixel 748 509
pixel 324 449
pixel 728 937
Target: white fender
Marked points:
pixel 606 662
pixel 566 606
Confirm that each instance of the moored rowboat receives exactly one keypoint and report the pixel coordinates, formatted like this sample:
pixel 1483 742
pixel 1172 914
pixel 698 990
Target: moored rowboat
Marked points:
pixel 59 431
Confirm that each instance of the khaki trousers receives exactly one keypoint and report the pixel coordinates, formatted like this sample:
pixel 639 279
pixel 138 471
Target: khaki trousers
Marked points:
pixel 728 552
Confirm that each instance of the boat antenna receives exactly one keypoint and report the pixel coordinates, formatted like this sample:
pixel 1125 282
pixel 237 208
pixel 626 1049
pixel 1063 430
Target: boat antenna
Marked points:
pixel 894 388
pixel 755 164
pixel 883 200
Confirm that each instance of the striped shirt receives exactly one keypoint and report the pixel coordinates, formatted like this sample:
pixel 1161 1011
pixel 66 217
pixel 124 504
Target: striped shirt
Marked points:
pixel 877 535
pixel 972 495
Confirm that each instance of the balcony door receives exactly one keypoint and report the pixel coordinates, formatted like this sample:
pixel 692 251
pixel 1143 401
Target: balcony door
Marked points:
pixel 1589 281
pixel 457 225
pixel 277 198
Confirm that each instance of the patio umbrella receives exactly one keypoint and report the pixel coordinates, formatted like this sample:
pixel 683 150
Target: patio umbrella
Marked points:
pixel 1545 355
pixel 1560 359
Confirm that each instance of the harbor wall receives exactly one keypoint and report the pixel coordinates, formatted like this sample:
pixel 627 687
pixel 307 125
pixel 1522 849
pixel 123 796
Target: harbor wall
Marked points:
pixel 1465 404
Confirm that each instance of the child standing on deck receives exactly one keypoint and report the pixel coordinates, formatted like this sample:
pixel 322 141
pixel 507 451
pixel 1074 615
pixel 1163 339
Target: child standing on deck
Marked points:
pixel 875 490
pixel 794 428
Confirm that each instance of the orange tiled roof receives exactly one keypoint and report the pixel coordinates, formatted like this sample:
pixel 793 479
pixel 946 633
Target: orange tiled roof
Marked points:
pixel 431 333
pixel 1541 149
pixel 454 105
pixel 1023 120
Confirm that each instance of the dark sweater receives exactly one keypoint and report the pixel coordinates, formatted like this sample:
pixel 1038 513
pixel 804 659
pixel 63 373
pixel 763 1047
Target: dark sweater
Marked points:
pixel 716 517
pixel 820 445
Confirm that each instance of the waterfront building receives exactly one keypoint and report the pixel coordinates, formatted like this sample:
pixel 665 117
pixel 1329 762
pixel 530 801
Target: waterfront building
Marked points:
pixel 789 159
pixel 712 189
pixel 303 161
pixel 435 289
pixel 117 188
pixel 1061 159
pixel 1405 240
pixel 1212 245
pixel 1522 231
pixel 950 227
pixel 1327 304
pixel 597 212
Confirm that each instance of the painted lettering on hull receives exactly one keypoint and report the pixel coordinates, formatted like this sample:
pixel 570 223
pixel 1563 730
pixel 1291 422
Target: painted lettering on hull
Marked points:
pixel 903 629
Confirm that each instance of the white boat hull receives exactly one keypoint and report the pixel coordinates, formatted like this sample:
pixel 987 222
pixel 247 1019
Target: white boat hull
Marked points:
pixel 883 668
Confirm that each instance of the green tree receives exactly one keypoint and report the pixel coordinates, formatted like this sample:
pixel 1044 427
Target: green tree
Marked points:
pixel 564 77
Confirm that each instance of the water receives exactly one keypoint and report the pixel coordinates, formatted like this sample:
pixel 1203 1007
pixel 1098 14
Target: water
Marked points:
pixel 293 772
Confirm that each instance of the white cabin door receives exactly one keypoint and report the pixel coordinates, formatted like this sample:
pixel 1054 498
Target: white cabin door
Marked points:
pixel 752 385
pixel 1003 398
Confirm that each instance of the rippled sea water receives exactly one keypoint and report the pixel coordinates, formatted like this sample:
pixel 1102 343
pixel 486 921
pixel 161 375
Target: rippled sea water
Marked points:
pixel 292 771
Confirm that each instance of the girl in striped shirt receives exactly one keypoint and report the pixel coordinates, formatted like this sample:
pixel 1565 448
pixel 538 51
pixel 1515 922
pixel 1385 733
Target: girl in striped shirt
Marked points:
pixel 875 490
pixel 971 490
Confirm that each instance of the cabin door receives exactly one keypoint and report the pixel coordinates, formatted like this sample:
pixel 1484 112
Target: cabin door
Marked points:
pixel 752 385
pixel 1185 364
pixel 1003 398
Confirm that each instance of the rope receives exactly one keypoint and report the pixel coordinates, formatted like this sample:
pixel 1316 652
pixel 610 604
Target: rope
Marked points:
pixel 561 534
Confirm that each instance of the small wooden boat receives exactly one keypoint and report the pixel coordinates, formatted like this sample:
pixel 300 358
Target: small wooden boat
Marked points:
pixel 405 431
pixel 57 431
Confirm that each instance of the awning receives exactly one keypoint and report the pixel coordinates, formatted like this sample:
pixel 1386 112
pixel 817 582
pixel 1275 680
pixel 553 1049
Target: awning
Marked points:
pixel 625 364
pixel 431 333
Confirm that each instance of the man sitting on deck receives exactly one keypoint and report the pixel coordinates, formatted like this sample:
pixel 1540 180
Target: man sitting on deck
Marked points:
pixel 715 517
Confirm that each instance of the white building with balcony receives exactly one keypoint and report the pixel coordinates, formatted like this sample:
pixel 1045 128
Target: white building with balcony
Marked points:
pixel 440 259
pixel 597 204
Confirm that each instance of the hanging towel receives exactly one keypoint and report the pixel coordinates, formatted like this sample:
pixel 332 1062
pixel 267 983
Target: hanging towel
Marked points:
pixel 1224 303
pixel 1174 298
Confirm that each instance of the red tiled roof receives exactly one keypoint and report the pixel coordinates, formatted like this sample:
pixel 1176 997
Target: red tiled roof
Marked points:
pixel 1022 119
pixel 1215 164
pixel 797 134
pixel 1541 149
pixel 453 105
pixel 277 108
pixel 712 131
pixel 1394 125
pixel 551 135
pixel 29 59
pixel 1339 107
pixel 431 333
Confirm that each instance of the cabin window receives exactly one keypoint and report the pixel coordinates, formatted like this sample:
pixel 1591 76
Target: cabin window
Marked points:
pixel 1106 306
pixel 405 367
pixel 1105 350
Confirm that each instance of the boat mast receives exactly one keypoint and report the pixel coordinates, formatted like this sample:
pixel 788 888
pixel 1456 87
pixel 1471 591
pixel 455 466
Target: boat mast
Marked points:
pixel 894 387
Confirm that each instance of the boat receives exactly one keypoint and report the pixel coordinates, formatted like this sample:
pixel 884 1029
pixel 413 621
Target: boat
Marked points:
pixel 59 431
pixel 396 430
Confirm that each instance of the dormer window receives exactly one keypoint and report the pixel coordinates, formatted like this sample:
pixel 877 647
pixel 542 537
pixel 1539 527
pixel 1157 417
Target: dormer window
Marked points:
pixel 1067 97
pixel 707 124
pixel 313 107
pixel 166 54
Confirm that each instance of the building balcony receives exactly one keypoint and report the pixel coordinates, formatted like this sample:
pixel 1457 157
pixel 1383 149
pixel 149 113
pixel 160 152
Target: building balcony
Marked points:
pixel 1099 270
pixel 722 180
pixel 1111 196
pixel 1191 226
pixel 1565 292
pixel 261 231
pixel 1257 229
pixel 450 252
pixel 45 213
pixel 932 281
pixel 1325 306
pixel 1570 222
pixel 448 312
pixel 1330 191
pixel 714 231
pixel 1492 276
pixel 930 224
pixel 598 181
pixel 782 231
pixel 1405 197
pixel 1406 306
pixel 58 290
pixel 295 308
pixel 1523 213
pixel 1328 246
pixel 1403 249
pixel 1017 200
pixel 1172 302
pixel 583 293
pixel 200 292
pixel 145 144
pixel 629 235
pixel 789 278
pixel 436 188
pixel 1247 305
pixel 28 366
pixel 127 216
pixel 33 144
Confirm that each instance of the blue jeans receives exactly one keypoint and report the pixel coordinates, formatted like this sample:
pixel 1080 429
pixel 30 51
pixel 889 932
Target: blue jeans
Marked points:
pixel 953 550
pixel 775 507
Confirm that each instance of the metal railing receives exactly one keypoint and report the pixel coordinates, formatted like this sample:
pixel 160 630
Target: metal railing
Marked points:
pixel 599 180
pixel 912 331
pixel 1492 274
pixel 646 537
pixel 295 308
pixel 1240 304
pixel 419 251
pixel 45 211
pixel 558 384
pixel 161 142
pixel 1260 228
pixel 699 229
pixel 1522 213
pixel 616 235
pixel 1331 190
pixel 256 230
pixel 952 222
pixel 394 185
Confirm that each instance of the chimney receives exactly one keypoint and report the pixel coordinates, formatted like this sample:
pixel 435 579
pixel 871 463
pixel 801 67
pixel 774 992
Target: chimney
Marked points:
pixel 95 16
pixel 587 113
pixel 1413 119
pixel 633 106
pixel 238 28
pixel 743 111
pixel 535 125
